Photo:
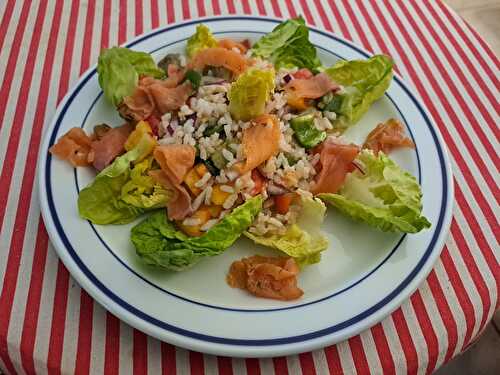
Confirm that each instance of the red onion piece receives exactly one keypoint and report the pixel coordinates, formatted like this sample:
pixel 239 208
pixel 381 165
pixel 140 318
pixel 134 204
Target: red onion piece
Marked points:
pixel 274 189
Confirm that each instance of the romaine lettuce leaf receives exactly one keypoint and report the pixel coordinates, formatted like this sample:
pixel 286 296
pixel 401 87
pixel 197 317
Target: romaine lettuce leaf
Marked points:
pixel 100 203
pixel 303 240
pixel 119 69
pixel 141 190
pixel 384 196
pixel 202 39
pixel 250 92
pixel 114 198
pixel 159 243
pixel 364 82
pixel 288 46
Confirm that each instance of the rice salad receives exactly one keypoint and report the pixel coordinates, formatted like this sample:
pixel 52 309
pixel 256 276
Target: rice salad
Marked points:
pixel 290 170
pixel 234 138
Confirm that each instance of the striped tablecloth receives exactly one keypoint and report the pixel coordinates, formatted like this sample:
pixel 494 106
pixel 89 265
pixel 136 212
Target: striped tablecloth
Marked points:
pixel 48 324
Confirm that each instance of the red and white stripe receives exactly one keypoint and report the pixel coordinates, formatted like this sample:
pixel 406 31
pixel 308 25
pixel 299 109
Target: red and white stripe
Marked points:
pixel 48 324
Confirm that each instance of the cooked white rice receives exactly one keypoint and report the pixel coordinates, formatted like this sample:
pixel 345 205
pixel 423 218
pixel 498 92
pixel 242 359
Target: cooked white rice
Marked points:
pixel 292 169
pixel 198 201
pixel 227 189
pixel 208 195
pixel 191 222
pixel 203 181
pixel 209 224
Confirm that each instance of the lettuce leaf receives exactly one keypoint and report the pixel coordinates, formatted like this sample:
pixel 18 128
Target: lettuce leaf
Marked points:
pixel 100 204
pixel 364 82
pixel 303 240
pixel 141 190
pixel 202 39
pixel 116 198
pixel 119 69
pixel 288 46
pixel 159 243
pixel 250 92
pixel 384 196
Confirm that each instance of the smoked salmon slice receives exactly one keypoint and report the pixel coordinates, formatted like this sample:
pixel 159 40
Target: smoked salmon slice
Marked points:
pixel 109 146
pixel 260 142
pixel 387 136
pixel 138 106
pixel 175 161
pixel 155 97
pixel 168 99
pixel 219 57
pixel 75 147
pixel 335 161
pixel 179 206
pixel 231 44
pixel 311 88
pixel 266 277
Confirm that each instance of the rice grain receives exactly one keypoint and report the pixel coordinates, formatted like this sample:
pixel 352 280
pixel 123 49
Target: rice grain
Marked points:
pixel 198 201
pixel 191 222
pixel 202 181
pixel 208 195
pixel 209 224
pixel 229 202
pixel 227 189
pixel 227 155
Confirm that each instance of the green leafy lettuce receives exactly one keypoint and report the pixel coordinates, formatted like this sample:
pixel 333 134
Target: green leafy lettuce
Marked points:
pixel 364 82
pixel 288 45
pixel 120 193
pixel 305 132
pixel 250 92
pixel 384 196
pixel 303 240
pixel 159 243
pixel 141 190
pixel 119 69
pixel 202 39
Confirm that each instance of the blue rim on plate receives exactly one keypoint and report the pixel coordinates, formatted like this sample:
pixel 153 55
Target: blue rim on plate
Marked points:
pixel 441 224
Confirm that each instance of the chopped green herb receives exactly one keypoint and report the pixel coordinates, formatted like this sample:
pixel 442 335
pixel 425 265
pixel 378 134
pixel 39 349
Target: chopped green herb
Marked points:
pixel 214 171
pixel 212 129
pixel 194 77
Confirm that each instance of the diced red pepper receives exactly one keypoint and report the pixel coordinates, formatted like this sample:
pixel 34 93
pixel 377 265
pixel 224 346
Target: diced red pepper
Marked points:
pixel 259 181
pixel 303 73
pixel 282 203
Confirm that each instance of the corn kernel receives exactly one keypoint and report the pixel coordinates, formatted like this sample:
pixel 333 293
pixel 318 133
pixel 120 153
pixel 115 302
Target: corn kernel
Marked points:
pixel 201 169
pixel 219 196
pixel 203 215
pixel 191 179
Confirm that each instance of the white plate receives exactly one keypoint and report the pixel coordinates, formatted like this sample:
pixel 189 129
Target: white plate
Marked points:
pixel 363 276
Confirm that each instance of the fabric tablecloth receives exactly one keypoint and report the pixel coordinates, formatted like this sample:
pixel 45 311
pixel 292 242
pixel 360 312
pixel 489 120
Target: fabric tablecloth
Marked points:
pixel 48 324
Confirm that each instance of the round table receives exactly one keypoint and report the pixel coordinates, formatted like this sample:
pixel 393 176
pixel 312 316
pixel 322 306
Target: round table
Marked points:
pixel 48 322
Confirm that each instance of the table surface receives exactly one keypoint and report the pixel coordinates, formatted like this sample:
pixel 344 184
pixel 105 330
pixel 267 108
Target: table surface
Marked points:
pixel 483 15
pixel 48 324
